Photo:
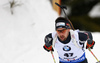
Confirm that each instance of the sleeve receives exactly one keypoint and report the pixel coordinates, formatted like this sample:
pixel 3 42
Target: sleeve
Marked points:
pixel 84 36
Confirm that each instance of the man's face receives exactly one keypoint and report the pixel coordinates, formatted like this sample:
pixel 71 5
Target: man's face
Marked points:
pixel 62 33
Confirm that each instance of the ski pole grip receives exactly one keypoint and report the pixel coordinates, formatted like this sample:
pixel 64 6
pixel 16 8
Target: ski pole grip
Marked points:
pixel 58 5
pixel 63 7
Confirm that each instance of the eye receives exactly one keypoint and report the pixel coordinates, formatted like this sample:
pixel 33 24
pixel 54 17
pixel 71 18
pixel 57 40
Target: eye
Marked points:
pixel 61 31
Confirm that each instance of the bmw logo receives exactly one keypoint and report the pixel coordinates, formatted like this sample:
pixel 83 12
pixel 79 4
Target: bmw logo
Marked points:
pixel 66 48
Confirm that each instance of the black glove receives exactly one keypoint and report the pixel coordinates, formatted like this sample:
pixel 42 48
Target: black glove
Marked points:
pixel 90 44
pixel 48 48
pixel 48 42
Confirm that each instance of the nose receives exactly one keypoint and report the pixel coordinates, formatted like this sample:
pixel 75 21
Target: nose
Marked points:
pixel 61 34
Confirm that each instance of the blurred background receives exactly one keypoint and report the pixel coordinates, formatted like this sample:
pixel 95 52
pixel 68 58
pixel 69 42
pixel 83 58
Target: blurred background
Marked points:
pixel 84 14
pixel 24 24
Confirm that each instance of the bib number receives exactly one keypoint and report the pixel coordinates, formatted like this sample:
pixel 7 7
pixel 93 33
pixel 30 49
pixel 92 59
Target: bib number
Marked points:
pixel 68 54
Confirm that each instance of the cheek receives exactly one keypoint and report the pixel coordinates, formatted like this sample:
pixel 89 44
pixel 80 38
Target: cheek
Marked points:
pixel 59 34
pixel 68 30
pixel 66 34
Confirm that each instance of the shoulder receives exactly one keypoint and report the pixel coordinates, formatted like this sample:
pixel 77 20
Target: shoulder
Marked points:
pixel 83 35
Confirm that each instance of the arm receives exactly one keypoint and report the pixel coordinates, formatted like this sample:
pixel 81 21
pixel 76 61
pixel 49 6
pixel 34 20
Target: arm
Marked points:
pixel 90 41
pixel 48 42
pixel 86 36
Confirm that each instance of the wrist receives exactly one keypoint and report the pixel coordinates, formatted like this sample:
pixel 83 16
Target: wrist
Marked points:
pixel 48 48
pixel 90 45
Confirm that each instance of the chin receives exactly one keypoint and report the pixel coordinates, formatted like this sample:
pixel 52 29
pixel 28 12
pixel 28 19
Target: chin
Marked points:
pixel 62 39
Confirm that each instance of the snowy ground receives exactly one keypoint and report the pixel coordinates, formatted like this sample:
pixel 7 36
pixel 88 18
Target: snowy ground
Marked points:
pixel 22 34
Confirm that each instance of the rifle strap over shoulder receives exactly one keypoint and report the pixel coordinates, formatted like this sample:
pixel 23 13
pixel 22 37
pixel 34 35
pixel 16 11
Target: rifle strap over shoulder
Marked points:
pixel 54 40
pixel 74 39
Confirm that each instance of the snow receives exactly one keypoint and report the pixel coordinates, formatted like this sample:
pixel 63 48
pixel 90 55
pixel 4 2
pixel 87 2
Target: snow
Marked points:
pixel 22 34
pixel 95 50
pixel 95 11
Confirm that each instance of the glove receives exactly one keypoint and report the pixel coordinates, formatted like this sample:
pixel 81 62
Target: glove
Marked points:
pixel 48 42
pixel 90 44
pixel 48 48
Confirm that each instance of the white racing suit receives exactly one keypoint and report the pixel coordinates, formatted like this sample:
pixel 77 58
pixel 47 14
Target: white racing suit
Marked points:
pixel 69 53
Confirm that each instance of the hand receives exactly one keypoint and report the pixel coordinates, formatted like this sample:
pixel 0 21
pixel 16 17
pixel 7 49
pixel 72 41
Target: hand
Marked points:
pixel 48 48
pixel 90 44
pixel 48 40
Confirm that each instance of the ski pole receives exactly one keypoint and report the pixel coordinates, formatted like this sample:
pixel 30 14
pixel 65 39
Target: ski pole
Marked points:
pixel 53 57
pixel 93 54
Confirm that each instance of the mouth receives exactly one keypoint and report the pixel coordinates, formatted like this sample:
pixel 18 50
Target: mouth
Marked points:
pixel 62 38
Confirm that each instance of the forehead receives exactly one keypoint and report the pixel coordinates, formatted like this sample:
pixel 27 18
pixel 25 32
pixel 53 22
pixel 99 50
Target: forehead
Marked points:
pixel 61 28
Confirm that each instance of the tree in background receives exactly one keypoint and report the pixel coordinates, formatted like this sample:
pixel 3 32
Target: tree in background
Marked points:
pixel 79 14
